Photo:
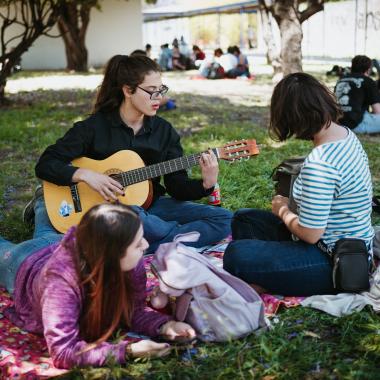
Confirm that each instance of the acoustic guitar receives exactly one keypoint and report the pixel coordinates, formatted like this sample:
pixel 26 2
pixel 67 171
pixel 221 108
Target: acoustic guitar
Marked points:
pixel 66 204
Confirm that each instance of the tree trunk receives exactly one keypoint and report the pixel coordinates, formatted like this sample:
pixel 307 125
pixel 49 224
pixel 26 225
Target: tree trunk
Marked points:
pixel 73 25
pixel 285 13
pixel 273 53
pixel 33 19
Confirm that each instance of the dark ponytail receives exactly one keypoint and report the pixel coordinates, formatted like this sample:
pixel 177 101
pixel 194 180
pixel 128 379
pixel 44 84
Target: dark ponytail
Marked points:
pixel 122 70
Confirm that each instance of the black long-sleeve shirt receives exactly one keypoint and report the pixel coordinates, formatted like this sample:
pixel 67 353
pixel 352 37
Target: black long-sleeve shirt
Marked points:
pixel 103 134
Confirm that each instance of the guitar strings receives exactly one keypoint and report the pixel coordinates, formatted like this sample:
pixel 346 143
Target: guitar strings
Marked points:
pixel 141 174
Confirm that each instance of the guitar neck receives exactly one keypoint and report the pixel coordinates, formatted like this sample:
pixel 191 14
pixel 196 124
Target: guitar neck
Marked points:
pixel 156 170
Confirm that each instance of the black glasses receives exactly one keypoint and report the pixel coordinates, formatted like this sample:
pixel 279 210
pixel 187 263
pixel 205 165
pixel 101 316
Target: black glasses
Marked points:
pixel 154 95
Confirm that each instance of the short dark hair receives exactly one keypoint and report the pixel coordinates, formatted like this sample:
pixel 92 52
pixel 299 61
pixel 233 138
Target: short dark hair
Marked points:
pixel 360 64
pixel 301 106
pixel 218 51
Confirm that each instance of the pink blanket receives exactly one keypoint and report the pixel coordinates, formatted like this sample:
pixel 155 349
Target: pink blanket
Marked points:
pixel 25 356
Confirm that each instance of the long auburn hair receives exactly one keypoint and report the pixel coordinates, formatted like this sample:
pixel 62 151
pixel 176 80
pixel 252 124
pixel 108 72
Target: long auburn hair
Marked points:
pixel 301 106
pixel 122 70
pixel 102 237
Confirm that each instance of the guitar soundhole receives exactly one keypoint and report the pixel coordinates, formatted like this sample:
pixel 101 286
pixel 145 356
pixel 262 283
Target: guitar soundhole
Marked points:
pixel 112 171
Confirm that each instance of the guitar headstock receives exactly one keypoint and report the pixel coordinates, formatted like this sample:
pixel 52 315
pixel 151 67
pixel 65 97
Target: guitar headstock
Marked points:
pixel 238 149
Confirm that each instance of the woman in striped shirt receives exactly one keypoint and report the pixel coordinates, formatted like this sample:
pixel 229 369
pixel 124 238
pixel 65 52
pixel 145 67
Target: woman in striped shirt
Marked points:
pixel 279 251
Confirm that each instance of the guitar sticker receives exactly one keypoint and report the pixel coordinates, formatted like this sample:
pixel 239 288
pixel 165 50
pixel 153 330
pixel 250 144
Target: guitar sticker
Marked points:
pixel 65 209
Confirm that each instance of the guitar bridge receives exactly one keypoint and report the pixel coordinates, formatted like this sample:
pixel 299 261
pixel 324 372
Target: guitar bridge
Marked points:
pixel 76 198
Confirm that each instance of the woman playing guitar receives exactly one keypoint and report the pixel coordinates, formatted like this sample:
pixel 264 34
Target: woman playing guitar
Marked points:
pixel 124 118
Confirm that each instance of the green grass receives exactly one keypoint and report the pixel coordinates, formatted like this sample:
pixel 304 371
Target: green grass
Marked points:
pixel 304 343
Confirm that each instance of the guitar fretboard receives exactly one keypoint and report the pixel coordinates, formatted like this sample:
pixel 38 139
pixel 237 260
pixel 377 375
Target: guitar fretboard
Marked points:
pixel 156 170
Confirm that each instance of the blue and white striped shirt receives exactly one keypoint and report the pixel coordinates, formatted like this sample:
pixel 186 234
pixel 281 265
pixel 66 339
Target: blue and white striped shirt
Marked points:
pixel 334 191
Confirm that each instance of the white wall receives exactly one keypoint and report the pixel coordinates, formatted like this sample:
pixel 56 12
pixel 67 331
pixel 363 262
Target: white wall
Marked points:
pixel 158 33
pixel 340 31
pixel 116 29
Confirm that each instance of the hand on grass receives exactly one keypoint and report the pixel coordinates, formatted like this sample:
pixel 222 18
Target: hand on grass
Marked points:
pixel 172 329
pixel 148 348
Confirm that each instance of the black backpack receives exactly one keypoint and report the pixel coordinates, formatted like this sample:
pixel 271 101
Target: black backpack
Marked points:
pixel 216 71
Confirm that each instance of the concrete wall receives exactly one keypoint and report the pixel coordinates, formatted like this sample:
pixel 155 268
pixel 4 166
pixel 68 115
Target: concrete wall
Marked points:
pixel 116 29
pixel 158 33
pixel 340 31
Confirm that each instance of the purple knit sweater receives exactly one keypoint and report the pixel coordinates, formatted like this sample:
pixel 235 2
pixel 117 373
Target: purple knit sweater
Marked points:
pixel 48 301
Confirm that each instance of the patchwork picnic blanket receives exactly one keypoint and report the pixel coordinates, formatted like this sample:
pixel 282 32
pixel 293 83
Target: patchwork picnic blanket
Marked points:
pixel 24 356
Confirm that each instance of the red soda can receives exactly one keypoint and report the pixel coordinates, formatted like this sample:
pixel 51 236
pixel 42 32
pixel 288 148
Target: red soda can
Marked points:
pixel 214 198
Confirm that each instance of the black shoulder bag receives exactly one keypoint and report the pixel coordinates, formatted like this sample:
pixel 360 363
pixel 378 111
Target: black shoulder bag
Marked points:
pixel 351 265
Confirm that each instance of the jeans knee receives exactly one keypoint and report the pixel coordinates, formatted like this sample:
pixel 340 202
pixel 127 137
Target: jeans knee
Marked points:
pixel 231 258
pixel 222 214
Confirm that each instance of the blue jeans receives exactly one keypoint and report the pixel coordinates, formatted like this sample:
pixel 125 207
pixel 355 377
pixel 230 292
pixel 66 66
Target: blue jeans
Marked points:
pixel 369 124
pixel 12 255
pixel 168 217
pixel 266 255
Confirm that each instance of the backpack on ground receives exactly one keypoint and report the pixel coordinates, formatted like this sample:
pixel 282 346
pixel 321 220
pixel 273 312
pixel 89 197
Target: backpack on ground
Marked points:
pixel 216 71
pixel 219 306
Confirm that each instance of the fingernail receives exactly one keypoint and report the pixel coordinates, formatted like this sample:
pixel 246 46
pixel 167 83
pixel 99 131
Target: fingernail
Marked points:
pixel 167 345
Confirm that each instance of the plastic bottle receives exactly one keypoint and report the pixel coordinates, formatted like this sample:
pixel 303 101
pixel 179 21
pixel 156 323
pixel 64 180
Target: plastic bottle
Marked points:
pixel 214 198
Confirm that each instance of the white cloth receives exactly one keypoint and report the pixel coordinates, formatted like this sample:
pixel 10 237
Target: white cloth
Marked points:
pixel 228 61
pixel 346 303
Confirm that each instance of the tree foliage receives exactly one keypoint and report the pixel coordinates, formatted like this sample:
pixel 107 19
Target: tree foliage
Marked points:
pixel 22 22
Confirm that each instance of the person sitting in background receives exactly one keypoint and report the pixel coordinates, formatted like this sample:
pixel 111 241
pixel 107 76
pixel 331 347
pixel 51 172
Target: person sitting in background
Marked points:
pixel 242 68
pixel 212 65
pixel 78 293
pixel 177 57
pixel 148 50
pixel 356 93
pixel 198 55
pixel 184 48
pixel 284 252
pixel 229 62
pixel 338 71
pixel 165 58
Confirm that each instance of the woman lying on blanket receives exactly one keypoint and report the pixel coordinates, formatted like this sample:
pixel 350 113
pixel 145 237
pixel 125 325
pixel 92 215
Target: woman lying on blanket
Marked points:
pixel 277 251
pixel 80 291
